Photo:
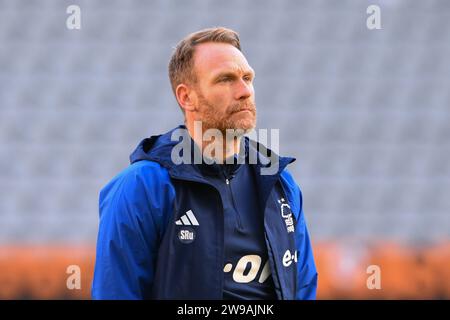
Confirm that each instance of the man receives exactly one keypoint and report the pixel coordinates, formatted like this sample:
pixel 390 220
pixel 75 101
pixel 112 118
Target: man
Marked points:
pixel 214 229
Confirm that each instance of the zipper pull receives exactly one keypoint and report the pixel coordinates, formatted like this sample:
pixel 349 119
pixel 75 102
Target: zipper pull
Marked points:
pixel 227 181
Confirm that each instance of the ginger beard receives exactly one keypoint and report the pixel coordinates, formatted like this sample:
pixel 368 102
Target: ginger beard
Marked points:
pixel 240 116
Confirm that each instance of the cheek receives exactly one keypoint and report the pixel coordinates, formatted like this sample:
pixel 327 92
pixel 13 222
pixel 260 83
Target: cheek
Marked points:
pixel 221 101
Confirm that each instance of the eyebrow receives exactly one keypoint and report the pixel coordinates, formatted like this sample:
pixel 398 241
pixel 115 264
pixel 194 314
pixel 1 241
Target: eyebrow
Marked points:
pixel 232 74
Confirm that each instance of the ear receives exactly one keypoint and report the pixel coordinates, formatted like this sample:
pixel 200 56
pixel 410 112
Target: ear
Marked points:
pixel 186 97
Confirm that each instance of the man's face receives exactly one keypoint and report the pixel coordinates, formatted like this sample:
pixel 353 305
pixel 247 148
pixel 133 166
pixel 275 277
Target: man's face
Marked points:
pixel 224 88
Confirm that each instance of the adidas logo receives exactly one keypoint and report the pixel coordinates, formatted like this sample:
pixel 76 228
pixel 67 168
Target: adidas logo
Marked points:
pixel 187 219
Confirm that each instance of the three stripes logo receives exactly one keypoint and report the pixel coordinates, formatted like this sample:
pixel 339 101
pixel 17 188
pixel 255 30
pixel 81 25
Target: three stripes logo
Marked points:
pixel 187 234
pixel 187 219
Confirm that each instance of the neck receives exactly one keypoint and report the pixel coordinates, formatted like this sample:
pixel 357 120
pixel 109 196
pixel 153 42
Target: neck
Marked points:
pixel 213 143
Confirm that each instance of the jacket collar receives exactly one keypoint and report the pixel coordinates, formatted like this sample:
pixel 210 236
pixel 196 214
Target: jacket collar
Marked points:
pixel 159 148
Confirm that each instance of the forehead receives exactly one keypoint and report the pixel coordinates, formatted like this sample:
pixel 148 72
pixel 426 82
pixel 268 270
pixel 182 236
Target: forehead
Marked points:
pixel 211 58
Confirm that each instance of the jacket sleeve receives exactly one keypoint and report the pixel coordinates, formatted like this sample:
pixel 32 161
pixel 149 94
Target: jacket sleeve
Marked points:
pixel 131 214
pixel 306 268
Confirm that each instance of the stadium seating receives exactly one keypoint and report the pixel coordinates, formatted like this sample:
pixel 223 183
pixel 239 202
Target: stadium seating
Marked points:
pixel 366 113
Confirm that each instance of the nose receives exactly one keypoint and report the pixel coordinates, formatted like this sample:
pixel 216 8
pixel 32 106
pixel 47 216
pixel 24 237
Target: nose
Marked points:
pixel 244 90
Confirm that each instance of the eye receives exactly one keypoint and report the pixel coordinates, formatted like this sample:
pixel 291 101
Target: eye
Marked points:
pixel 225 79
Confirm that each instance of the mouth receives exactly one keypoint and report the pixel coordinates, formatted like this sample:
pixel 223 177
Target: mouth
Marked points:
pixel 244 110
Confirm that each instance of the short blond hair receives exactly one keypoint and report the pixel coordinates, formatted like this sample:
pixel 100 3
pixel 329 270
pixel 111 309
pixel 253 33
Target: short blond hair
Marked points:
pixel 181 65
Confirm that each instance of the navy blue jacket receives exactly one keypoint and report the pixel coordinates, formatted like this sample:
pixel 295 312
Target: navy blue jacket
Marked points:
pixel 139 251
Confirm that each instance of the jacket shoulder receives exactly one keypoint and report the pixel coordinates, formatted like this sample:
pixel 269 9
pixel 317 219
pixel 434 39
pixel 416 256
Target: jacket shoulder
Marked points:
pixel 146 172
pixel 141 183
pixel 144 169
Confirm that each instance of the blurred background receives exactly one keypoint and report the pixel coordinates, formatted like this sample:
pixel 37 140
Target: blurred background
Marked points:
pixel 365 112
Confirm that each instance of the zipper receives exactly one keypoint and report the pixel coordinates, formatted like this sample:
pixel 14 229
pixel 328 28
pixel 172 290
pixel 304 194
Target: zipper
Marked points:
pixel 272 257
pixel 238 217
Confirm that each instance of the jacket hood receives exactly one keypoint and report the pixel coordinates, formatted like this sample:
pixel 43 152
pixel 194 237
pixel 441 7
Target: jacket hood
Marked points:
pixel 159 148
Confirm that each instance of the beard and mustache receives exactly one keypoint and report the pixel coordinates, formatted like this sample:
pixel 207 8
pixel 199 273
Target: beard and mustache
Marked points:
pixel 212 119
